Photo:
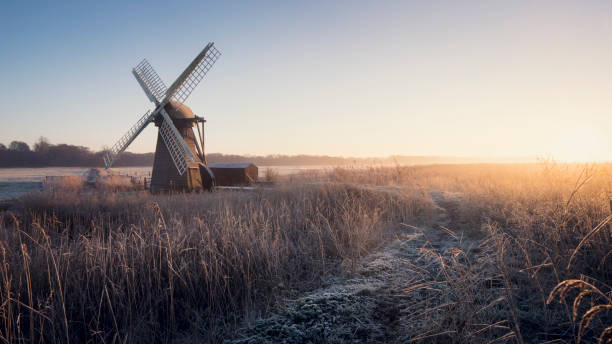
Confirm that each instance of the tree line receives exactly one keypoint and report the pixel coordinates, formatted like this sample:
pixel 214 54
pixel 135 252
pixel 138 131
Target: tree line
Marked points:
pixel 43 153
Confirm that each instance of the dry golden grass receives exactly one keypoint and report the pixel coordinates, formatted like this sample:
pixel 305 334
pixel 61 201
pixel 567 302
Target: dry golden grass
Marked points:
pixel 67 183
pixel 546 223
pixel 539 225
pixel 118 183
pixel 562 291
pixel 109 267
pixel 105 266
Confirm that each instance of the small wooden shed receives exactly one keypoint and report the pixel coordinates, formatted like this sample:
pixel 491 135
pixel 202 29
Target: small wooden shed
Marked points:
pixel 227 174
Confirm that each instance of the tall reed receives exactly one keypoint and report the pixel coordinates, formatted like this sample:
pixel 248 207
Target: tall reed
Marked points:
pixel 100 266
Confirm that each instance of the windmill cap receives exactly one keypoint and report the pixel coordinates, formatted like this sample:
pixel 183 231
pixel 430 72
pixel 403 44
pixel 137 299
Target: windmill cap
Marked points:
pixel 178 110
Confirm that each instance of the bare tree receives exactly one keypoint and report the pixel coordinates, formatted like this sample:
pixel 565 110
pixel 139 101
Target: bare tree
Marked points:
pixel 42 145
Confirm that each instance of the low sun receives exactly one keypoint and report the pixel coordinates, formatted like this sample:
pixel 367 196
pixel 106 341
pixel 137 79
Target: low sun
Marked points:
pixel 580 144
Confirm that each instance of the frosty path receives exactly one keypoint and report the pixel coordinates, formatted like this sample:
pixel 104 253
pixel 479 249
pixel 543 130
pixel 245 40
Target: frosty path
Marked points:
pixel 383 301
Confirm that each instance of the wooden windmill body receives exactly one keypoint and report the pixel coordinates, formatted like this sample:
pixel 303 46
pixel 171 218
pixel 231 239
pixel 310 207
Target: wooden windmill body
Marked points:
pixel 165 176
pixel 179 162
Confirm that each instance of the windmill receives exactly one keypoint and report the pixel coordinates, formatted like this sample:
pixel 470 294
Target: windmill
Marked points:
pixel 179 162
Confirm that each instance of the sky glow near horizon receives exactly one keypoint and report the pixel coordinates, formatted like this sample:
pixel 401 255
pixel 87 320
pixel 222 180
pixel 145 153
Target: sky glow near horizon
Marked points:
pixel 350 78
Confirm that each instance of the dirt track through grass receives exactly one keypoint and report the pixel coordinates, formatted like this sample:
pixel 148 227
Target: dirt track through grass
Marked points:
pixel 382 301
pixel 439 254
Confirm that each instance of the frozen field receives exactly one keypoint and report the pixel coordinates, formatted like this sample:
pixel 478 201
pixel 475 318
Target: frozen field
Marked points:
pixel 16 181
pixel 17 188
pixel 39 174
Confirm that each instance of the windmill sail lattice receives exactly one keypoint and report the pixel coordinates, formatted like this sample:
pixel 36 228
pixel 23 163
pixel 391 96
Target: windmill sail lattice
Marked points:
pixel 150 82
pixel 119 146
pixel 174 142
pixel 194 73
pixel 179 145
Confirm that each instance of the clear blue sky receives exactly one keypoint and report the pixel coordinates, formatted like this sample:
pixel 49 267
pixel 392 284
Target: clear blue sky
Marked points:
pixel 356 78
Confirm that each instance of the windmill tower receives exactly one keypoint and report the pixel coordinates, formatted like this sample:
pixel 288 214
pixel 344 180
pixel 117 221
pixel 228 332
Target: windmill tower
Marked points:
pixel 179 162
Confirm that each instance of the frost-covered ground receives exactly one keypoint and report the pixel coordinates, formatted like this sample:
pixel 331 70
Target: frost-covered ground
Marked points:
pixel 14 182
pixel 381 302
pixel 15 189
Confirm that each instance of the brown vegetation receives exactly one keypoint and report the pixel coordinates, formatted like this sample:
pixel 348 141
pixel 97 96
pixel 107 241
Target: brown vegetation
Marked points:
pixel 539 225
pixel 105 266
pixel 19 154
pixel 43 154
pixel 109 266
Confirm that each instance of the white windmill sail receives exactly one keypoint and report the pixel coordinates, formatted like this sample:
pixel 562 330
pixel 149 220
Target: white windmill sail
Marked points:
pixel 177 147
pixel 149 80
pixel 111 155
pixel 193 74
pixel 156 91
